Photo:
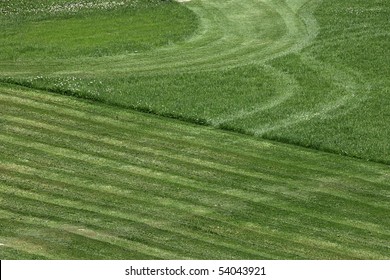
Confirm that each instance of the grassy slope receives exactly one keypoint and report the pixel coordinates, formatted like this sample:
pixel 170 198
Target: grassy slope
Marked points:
pixel 81 180
pixel 348 63
pixel 312 73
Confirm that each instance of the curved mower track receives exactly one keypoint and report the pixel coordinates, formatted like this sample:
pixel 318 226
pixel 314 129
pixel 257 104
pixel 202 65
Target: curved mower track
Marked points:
pixel 232 34
pixel 88 180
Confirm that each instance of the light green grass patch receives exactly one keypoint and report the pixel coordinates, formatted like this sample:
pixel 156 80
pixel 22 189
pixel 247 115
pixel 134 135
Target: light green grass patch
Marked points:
pixel 312 73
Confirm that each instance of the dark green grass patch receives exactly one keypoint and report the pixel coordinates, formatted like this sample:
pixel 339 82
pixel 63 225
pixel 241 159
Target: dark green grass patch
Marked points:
pixel 58 29
pixel 83 180
pixel 311 73
pixel 80 180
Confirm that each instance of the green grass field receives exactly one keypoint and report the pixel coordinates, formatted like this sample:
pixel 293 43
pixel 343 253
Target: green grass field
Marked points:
pixel 81 180
pixel 90 29
pixel 312 73
pixel 291 160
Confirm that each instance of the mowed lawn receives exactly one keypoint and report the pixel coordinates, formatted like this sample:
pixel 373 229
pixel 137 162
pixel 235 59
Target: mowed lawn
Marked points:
pixel 307 72
pixel 92 178
pixel 82 180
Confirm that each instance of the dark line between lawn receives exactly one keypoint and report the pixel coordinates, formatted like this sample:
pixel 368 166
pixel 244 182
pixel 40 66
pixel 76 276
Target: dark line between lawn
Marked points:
pixel 192 120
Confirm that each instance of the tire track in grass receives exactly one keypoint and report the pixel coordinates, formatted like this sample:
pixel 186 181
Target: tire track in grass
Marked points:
pixel 241 197
pixel 53 108
pixel 232 33
pixel 244 192
pixel 159 223
pixel 301 28
pixel 289 87
pixel 44 237
pixel 229 36
pixel 113 160
pixel 45 158
pixel 14 122
pixel 330 105
pixel 310 241
pixel 112 164
pixel 131 147
pixel 314 241
pixel 134 217
pixel 58 124
pixel 135 193
pixel 142 249
pixel 240 42
pixel 151 151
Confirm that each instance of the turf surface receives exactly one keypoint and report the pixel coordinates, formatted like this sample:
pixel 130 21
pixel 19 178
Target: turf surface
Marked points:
pixel 87 180
pixel 80 180
pixel 307 72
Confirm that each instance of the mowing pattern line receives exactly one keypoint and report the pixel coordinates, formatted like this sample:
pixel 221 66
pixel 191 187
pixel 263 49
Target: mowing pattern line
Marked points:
pixel 81 180
pixel 276 69
pixel 257 31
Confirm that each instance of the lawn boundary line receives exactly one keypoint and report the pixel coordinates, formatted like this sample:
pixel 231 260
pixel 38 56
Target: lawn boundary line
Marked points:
pixel 190 120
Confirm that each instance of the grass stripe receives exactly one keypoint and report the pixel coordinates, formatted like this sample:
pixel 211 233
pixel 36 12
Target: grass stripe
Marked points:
pixel 174 178
pixel 178 191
